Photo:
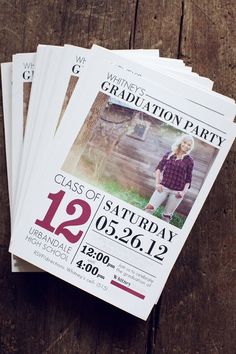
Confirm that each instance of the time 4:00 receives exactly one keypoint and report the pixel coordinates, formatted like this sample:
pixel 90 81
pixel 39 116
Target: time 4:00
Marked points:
pixel 89 268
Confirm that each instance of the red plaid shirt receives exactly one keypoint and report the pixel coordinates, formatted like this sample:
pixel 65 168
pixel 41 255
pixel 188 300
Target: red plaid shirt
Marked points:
pixel 175 172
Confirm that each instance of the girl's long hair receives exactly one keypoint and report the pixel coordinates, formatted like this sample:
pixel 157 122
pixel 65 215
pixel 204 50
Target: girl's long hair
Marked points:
pixel 176 146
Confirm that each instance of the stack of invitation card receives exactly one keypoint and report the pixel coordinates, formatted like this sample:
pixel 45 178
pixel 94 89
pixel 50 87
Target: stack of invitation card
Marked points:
pixel 110 157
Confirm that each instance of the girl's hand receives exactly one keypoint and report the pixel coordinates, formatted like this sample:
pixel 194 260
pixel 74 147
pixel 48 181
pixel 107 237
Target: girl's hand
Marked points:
pixel 180 194
pixel 159 187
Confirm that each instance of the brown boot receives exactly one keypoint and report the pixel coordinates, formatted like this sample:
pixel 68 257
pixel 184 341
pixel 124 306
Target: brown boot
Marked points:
pixel 166 217
pixel 149 208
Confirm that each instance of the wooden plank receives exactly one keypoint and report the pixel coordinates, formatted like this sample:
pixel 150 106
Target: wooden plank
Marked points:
pixel 198 302
pixel 158 25
pixel 105 23
pixel 207 41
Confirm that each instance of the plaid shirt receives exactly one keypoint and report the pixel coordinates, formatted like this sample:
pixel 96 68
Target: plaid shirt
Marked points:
pixel 175 172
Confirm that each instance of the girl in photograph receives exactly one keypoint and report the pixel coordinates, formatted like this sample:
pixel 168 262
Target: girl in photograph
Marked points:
pixel 173 177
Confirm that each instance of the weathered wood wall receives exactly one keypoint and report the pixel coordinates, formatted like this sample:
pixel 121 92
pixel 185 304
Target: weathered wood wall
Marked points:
pixel 41 314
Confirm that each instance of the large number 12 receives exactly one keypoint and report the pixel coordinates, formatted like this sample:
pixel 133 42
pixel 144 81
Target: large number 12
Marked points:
pixel 70 210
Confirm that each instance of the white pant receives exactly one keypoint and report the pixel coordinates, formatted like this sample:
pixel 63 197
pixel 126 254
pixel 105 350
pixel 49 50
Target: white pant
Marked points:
pixel 169 195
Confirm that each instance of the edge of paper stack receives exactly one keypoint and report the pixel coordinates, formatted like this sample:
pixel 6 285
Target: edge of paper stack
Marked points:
pixel 93 138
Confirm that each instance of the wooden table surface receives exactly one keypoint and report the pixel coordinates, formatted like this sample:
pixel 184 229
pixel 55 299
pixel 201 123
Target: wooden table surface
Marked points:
pixel 196 314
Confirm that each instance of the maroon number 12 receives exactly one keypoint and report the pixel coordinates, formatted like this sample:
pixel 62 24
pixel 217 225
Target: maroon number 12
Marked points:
pixel 70 210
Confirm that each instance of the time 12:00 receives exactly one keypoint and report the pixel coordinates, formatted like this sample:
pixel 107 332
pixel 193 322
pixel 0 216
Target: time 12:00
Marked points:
pixel 101 257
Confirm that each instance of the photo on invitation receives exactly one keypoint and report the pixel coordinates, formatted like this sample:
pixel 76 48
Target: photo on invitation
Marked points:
pixel 140 159
pixel 70 89
pixel 26 97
